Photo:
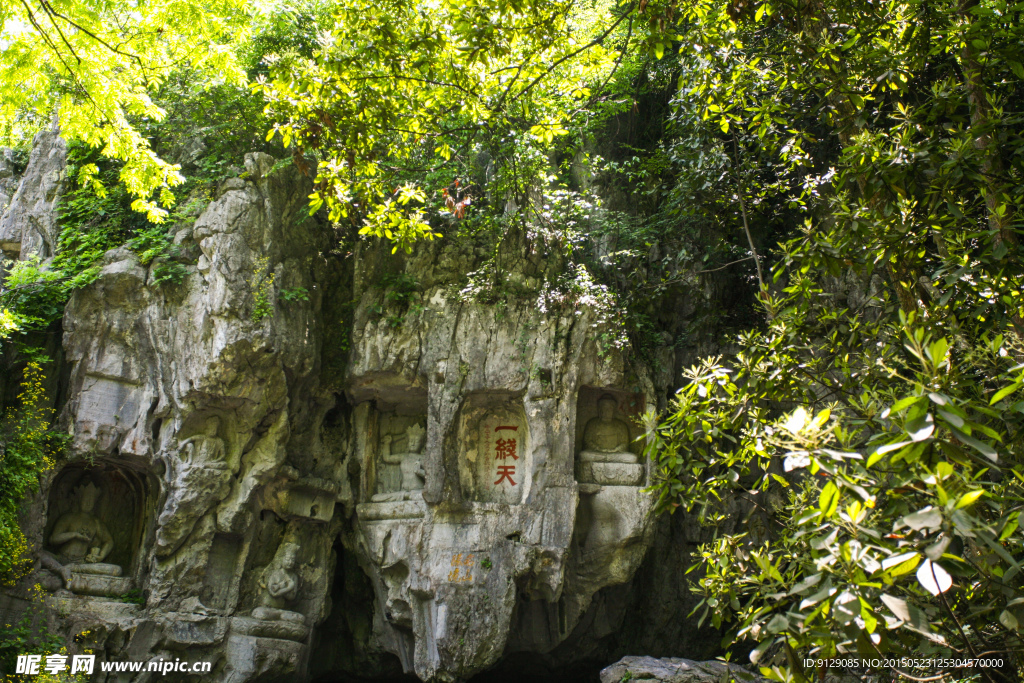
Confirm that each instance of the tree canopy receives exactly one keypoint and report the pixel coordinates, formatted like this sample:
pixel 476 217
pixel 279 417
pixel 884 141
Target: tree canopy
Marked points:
pixel 95 66
pixel 873 421
pixel 397 90
pixel 833 187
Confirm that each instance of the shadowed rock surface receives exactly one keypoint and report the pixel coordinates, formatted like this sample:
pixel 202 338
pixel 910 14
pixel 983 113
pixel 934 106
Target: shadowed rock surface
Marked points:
pixel 674 670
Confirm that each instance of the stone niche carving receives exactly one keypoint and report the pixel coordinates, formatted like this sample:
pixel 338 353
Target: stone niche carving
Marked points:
pixel 395 463
pixel 607 454
pixel 95 528
pixel 612 513
pixel 311 498
pixel 407 455
pixel 276 597
pixel 495 461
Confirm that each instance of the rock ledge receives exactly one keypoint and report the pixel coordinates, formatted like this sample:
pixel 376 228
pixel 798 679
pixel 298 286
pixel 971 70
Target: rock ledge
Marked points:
pixel 675 670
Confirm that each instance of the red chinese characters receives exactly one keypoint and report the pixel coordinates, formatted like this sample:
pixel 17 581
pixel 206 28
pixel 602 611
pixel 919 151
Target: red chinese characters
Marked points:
pixel 505 449
pixel 505 472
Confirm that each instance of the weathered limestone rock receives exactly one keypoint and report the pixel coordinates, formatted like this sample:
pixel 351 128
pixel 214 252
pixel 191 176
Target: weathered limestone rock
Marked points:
pixel 201 420
pixel 505 525
pixel 28 223
pixel 673 670
pixel 9 179
pixel 475 468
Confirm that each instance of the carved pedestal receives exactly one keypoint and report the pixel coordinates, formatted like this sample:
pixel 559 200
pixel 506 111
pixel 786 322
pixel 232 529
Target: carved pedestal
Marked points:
pixel 405 509
pixel 98 579
pixel 591 471
pixel 290 626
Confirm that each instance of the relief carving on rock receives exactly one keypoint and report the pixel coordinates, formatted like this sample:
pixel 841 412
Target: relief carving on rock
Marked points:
pixel 79 536
pixel 274 615
pixel 280 586
pixel 498 456
pixel 410 465
pixel 606 458
pixel 396 464
pixel 80 542
pixel 611 475
pixel 199 476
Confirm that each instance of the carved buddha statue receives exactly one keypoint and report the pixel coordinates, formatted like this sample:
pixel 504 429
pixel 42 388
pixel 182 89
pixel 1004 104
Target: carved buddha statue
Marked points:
pixel 606 438
pixel 410 464
pixel 199 472
pixel 82 542
pixel 280 587
pixel 79 536
pixel 208 449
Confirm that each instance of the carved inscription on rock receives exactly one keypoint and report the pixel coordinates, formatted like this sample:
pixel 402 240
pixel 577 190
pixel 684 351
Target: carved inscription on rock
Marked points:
pixel 106 401
pixel 502 465
pixel 462 568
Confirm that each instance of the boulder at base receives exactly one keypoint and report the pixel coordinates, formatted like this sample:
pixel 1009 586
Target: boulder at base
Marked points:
pixel 675 670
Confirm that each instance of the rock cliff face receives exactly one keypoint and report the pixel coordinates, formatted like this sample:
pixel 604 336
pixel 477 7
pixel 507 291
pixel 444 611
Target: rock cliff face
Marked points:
pixel 28 222
pixel 463 486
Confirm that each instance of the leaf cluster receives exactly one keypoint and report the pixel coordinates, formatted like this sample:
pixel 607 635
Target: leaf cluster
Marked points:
pixel 27 450
pixel 401 90
pixel 871 426
pixel 94 67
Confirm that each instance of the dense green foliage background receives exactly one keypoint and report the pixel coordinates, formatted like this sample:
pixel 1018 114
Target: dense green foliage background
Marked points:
pixel 816 200
pixel 873 420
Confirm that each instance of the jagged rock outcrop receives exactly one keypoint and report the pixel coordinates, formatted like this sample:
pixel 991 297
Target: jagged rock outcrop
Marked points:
pixel 466 486
pixel 28 223
pixel 9 177
pixel 503 527
pixel 182 412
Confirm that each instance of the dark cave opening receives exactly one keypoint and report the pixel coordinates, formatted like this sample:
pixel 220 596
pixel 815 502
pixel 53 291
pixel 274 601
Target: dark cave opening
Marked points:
pixel 340 651
pixel 528 666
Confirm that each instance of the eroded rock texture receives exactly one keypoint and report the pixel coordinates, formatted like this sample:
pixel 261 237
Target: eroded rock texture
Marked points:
pixel 9 178
pixel 463 486
pixel 503 531
pixel 28 222
pixel 675 670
